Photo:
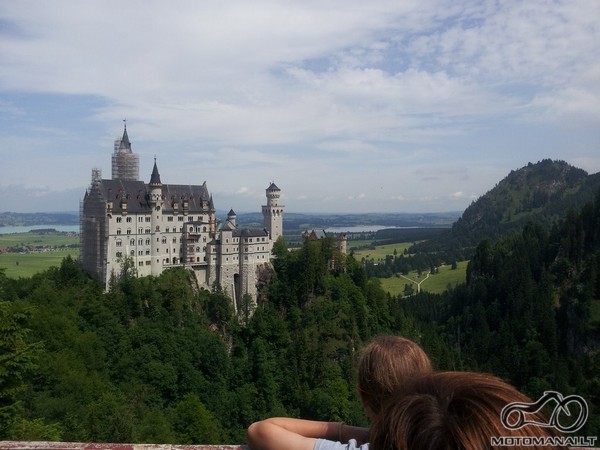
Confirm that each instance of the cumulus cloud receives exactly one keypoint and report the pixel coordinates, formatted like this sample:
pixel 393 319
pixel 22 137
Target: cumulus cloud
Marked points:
pixel 317 95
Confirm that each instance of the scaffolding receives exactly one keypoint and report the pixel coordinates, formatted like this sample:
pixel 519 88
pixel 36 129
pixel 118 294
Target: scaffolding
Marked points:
pixel 93 214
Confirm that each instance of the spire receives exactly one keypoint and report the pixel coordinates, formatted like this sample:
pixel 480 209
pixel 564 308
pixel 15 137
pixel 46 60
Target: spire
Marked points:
pixel 211 203
pixel 155 177
pixel 125 144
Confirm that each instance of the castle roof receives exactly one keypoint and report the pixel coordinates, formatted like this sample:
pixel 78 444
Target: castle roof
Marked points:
pixel 273 187
pixel 135 195
pixel 250 232
pixel 231 213
pixel 155 177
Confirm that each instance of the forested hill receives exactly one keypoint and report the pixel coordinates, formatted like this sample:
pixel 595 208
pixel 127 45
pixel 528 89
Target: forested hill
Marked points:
pixel 543 192
pixel 156 359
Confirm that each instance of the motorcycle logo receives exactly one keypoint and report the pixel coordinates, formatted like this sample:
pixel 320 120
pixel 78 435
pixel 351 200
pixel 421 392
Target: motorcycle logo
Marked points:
pixel 513 415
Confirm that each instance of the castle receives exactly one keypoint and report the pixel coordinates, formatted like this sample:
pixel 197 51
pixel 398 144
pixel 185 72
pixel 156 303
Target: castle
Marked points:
pixel 158 226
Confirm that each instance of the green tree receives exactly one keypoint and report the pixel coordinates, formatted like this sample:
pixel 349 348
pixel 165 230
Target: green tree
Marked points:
pixel 17 361
pixel 194 424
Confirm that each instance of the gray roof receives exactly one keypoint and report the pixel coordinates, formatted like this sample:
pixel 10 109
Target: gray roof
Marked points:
pixel 135 194
pixel 273 187
pixel 250 232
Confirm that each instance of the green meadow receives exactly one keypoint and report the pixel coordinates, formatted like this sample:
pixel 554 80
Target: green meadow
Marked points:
pixel 17 265
pixel 54 239
pixel 436 283
pixel 379 252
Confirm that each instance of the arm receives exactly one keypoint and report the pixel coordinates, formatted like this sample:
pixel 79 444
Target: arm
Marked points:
pixel 298 434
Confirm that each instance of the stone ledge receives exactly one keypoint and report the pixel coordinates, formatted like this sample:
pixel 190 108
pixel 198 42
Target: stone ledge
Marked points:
pixel 22 445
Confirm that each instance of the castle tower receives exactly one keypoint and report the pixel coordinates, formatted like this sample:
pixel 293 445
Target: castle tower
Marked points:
pixel 156 203
pixel 231 217
pixel 212 223
pixel 125 163
pixel 343 244
pixel 273 212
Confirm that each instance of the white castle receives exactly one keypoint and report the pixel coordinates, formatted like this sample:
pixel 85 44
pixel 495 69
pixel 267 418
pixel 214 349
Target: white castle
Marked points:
pixel 158 226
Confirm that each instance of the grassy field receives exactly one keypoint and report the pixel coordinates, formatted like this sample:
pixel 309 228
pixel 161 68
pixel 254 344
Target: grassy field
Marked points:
pixel 436 284
pixel 17 265
pixel 380 251
pixel 54 239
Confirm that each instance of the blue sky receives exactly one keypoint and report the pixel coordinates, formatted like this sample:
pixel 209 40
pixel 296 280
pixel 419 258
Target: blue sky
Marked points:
pixel 349 106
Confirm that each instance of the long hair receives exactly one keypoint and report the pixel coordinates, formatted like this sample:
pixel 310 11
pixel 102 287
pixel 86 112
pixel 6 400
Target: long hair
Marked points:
pixel 387 364
pixel 450 411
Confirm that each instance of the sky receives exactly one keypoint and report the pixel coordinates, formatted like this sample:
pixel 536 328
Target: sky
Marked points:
pixel 348 106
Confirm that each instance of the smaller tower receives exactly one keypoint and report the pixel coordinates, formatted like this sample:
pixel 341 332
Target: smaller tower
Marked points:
pixel 273 212
pixel 156 202
pixel 231 217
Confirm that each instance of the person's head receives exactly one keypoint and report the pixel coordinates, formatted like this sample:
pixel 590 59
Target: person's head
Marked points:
pixel 387 364
pixel 449 411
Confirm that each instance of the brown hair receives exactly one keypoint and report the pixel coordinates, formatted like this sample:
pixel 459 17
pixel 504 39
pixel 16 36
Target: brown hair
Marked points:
pixel 388 363
pixel 450 411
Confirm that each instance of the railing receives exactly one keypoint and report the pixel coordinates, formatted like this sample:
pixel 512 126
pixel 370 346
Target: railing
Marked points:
pixel 22 445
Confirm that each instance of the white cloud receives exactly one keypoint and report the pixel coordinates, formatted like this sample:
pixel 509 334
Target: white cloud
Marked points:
pixel 320 96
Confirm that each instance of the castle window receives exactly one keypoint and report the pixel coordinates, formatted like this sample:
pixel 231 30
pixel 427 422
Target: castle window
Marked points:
pixel 167 230
pixel 148 218
pixel 164 240
pixel 141 263
pixel 147 252
pixel 118 243
pixel 140 219
pixel 118 231
pixel 174 240
pixel 147 230
pixel 141 253
pixel 140 241
pixel 119 254
pixel 147 241
pixel 170 219
pixel 132 253
pixel 132 242
pixel 180 218
pixel 128 219
pixel 128 230
pixel 157 228
pixel 119 219
pixel 190 219
pixel 148 263
pixel 203 228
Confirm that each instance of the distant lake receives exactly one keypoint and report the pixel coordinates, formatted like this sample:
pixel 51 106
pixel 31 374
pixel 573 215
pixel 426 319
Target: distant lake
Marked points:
pixel 11 230
pixel 361 228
